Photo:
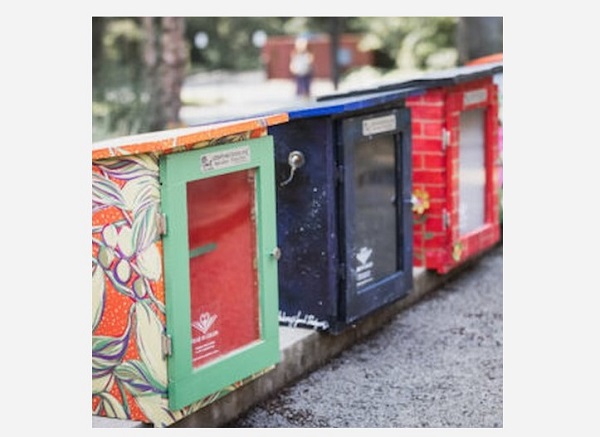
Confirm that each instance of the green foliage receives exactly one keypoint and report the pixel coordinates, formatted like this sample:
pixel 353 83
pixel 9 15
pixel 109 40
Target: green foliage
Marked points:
pixel 118 96
pixel 118 55
pixel 230 45
pixel 410 43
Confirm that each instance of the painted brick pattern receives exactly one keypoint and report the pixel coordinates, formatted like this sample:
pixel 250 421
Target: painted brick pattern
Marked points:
pixel 436 114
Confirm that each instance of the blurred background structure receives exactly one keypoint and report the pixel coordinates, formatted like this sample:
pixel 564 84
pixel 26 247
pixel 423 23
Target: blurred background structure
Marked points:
pixel 156 73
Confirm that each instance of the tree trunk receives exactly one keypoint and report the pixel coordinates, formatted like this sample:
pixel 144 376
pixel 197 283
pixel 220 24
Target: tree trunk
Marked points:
pixel 165 58
pixel 153 119
pixel 477 37
pixel 174 61
pixel 98 26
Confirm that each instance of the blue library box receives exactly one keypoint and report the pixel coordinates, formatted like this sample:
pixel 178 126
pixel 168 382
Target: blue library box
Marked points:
pixel 344 220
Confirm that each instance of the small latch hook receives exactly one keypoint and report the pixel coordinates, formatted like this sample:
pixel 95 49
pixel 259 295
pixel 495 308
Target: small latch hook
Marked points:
pixel 295 160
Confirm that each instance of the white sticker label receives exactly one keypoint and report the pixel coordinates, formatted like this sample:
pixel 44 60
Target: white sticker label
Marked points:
pixel 378 125
pixel 226 159
pixel 364 273
pixel 473 97
pixel 204 338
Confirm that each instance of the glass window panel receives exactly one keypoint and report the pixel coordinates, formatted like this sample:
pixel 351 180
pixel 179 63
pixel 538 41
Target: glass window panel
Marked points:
pixel 375 245
pixel 471 178
pixel 223 272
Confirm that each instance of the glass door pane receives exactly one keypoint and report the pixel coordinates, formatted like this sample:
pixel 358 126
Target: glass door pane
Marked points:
pixel 223 266
pixel 375 233
pixel 471 178
pixel 372 219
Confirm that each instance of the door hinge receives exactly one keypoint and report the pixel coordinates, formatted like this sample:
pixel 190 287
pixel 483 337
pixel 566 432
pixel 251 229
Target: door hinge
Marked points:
pixel 445 138
pixel 446 218
pixel 167 346
pixel 161 223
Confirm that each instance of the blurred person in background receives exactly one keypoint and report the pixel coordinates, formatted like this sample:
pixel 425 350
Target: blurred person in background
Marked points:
pixel 301 66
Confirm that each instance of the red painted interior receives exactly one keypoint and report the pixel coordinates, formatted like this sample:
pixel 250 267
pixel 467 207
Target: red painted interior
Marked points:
pixel 224 281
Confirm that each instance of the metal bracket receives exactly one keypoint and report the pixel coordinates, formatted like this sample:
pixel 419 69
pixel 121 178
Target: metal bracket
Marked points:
pixel 161 223
pixel 276 253
pixel 445 138
pixel 167 345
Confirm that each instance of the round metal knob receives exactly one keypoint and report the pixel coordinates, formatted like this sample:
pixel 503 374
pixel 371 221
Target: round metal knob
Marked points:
pixel 276 253
pixel 295 160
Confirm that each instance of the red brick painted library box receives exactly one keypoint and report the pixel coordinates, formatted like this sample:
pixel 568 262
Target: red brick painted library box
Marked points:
pixel 456 166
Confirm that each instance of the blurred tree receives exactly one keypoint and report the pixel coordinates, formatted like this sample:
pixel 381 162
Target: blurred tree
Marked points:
pixel 98 26
pixel 138 69
pixel 477 37
pixel 408 43
pixel 117 99
pixel 165 57
pixel 228 41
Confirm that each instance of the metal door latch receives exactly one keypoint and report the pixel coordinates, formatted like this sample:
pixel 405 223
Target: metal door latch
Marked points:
pixel 295 160
pixel 276 253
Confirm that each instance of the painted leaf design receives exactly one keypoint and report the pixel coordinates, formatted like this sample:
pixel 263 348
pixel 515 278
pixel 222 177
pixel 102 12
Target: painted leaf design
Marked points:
pixel 144 227
pixel 106 256
pixel 110 235
pixel 123 271
pixel 148 196
pixel 113 407
pixel 107 352
pixel 140 192
pixel 98 290
pixel 125 241
pixel 140 288
pixel 149 331
pixel 105 193
pixel 131 167
pixel 138 380
pixel 149 263
pixel 156 409
pixel 116 283
pixel 102 384
pixel 142 197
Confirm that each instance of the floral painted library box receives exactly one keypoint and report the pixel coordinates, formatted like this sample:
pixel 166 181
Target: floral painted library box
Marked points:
pixel 184 268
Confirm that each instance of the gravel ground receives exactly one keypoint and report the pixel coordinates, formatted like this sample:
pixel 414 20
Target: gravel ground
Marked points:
pixel 436 364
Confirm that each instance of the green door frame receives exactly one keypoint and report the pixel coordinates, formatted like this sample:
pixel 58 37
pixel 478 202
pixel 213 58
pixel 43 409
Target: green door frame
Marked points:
pixel 186 384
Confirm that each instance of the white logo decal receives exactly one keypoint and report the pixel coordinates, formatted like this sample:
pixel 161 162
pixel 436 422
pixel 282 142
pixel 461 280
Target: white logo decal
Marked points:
pixel 204 322
pixel 364 255
pixel 364 274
